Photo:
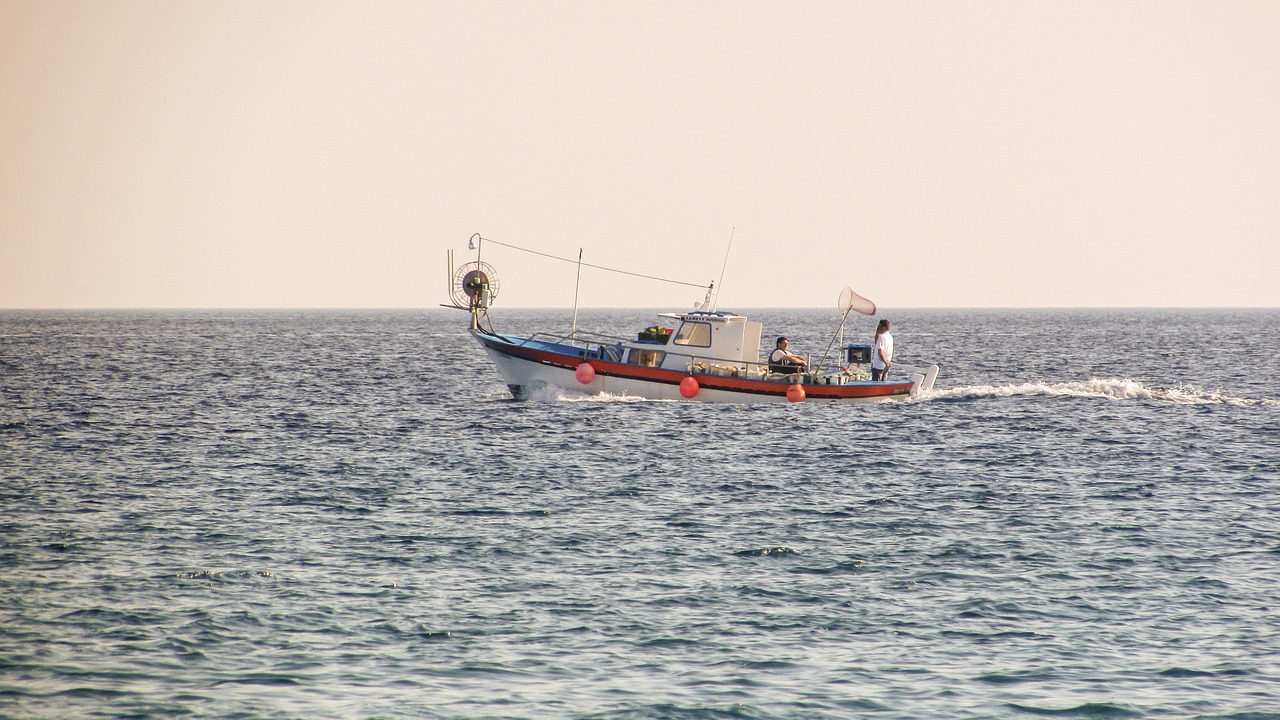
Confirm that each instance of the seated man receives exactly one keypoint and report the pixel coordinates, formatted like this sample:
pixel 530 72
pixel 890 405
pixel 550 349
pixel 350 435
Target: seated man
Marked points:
pixel 781 361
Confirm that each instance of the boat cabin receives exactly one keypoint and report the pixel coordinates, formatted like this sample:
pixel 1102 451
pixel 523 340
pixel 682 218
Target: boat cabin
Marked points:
pixel 721 338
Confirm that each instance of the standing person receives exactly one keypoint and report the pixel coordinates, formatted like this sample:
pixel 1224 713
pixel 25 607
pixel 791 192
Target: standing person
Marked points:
pixel 882 352
pixel 783 361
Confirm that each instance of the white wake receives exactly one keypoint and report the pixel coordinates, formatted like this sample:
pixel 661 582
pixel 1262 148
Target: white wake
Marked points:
pixel 1111 388
pixel 555 394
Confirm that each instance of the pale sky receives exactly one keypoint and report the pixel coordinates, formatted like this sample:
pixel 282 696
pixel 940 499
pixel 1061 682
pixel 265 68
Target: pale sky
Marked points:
pixel 928 154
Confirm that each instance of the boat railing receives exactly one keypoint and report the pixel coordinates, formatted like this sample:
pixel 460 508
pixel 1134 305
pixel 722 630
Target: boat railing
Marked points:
pixel 699 365
pixel 594 346
pixel 757 370
pixel 738 368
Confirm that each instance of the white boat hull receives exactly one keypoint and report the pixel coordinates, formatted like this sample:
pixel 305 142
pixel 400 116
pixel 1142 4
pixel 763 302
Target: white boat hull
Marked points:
pixel 526 377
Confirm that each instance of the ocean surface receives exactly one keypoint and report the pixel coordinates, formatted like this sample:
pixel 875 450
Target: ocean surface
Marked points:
pixel 343 514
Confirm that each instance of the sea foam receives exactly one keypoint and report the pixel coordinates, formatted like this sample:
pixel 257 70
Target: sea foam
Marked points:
pixel 1109 388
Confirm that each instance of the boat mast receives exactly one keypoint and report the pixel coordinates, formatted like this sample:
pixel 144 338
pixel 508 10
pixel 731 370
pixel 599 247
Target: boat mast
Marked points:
pixel 576 282
pixel 720 283
pixel 475 243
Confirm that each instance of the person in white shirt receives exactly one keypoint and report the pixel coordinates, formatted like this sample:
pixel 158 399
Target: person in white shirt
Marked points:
pixel 781 361
pixel 882 352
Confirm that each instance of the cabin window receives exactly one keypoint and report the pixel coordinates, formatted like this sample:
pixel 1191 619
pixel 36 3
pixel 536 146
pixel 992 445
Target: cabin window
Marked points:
pixel 694 333
pixel 646 358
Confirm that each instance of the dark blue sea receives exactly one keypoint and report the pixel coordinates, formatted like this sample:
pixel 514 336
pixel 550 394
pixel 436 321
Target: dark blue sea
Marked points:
pixel 343 514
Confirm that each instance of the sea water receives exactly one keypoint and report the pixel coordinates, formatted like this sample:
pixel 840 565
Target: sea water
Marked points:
pixel 345 515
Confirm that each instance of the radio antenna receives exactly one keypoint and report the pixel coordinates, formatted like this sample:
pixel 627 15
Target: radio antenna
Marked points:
pixel 720 283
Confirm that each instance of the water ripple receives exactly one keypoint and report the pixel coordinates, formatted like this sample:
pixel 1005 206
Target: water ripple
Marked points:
pixel 343 514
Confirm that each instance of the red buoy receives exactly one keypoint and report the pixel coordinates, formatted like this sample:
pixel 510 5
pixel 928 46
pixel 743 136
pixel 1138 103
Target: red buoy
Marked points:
pixel 795 393
pixel 689 387
pixel 585 373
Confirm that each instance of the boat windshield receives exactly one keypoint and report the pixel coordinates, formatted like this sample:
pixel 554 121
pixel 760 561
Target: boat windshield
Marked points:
pixel 693 333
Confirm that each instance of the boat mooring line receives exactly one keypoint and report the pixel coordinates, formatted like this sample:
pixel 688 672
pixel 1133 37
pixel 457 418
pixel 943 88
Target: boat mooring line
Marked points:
pixel 590 265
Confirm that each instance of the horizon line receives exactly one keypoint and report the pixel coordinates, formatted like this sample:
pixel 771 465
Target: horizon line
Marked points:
pixel 662 308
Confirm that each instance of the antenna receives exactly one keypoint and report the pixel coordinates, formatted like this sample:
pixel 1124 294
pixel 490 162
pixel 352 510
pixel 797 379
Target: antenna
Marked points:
pixel 576 282
pixel 720 283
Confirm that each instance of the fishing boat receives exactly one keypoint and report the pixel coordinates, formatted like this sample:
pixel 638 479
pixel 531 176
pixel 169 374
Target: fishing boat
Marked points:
pixel 700 355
